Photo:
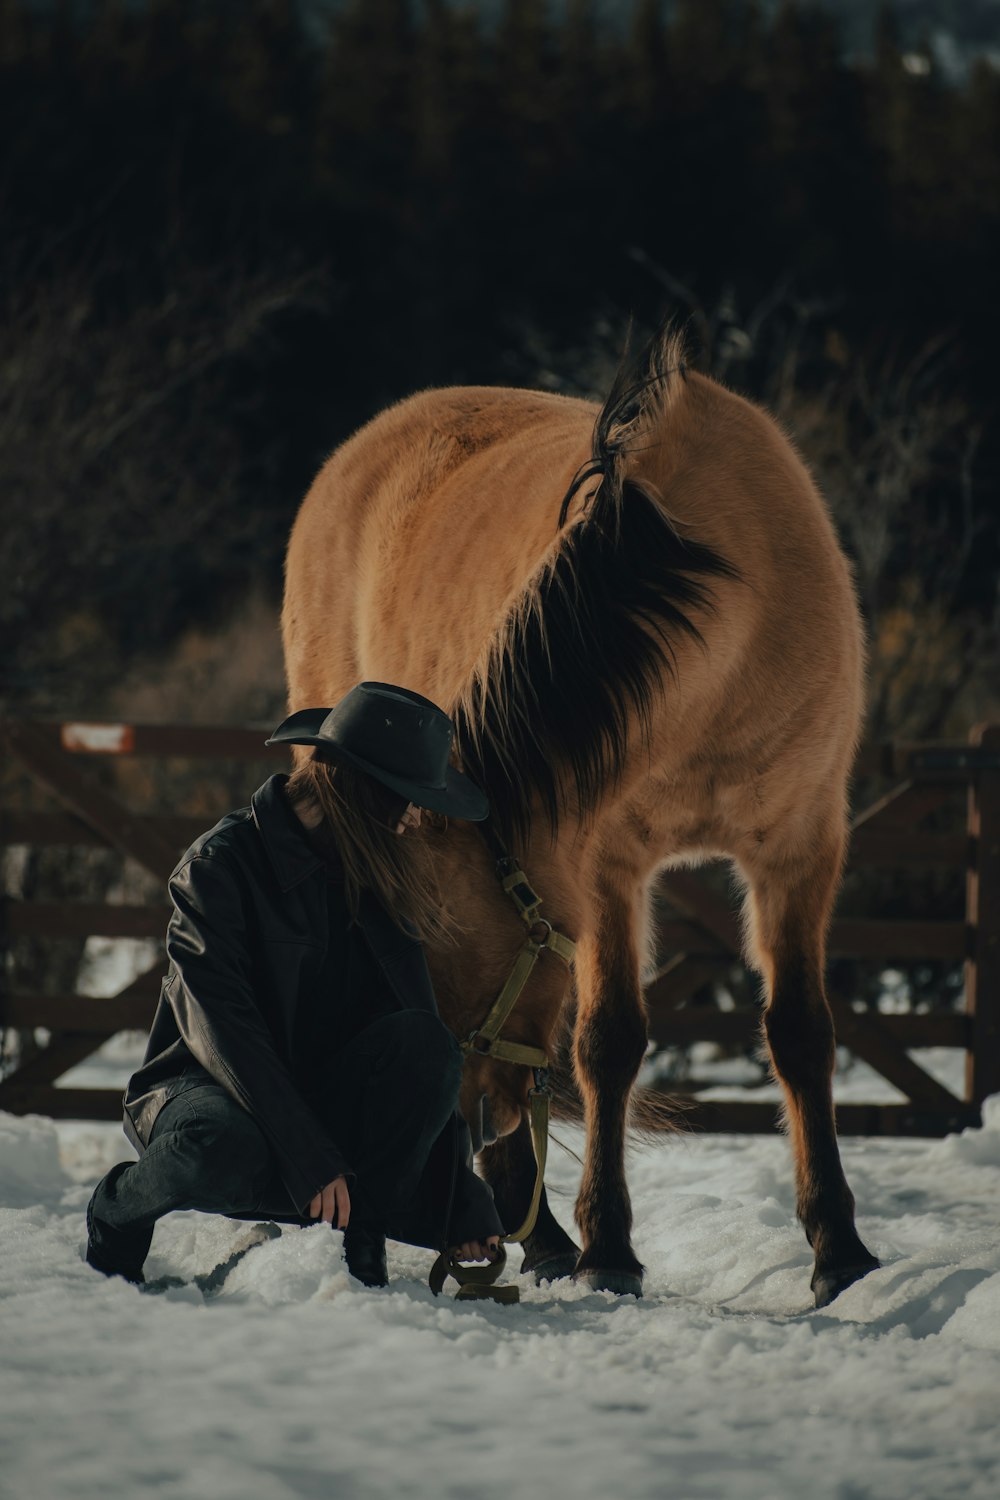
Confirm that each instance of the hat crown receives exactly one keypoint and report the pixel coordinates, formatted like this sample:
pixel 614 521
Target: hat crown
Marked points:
pixel 398 730
pixel 402 739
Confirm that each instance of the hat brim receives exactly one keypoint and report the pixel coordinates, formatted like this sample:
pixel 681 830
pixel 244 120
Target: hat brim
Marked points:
pixel 458 798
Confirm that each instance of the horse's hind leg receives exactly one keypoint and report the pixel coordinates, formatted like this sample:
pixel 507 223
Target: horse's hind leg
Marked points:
pixel 789 906
pixel 509 1168
pixel 609 1045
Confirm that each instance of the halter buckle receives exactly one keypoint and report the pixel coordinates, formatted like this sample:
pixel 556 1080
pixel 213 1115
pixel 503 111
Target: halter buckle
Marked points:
pixel 541 1077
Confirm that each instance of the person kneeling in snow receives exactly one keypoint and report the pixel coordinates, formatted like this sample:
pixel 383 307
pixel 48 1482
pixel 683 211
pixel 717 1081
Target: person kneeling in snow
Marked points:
pixel 297 1068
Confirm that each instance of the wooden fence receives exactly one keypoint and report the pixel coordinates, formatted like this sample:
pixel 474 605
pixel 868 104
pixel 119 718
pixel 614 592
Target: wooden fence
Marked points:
pixel 703 941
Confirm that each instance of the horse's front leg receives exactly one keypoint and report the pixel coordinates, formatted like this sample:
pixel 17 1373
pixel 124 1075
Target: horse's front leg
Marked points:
pixel 509 1168
pixel 609 1045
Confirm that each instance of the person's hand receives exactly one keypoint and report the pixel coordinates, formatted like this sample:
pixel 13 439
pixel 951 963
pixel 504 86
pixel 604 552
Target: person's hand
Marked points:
pixel 410 818
pixel 333 1204
pixel 487 1249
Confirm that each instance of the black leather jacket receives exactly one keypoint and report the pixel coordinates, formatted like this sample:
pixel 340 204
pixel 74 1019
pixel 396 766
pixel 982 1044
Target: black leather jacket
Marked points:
pixel 245 945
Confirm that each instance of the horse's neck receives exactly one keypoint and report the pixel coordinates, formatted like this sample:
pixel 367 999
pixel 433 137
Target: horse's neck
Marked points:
pixel 469 973
pixel 581 880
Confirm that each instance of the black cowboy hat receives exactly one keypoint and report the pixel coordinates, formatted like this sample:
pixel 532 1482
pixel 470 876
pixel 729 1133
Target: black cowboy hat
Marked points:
pixel 400 738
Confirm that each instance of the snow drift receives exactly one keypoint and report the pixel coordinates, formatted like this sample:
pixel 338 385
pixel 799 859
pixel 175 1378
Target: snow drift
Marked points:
pixel 292 1380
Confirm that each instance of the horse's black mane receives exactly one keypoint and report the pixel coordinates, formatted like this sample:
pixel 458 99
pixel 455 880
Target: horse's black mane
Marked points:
pixel 587 646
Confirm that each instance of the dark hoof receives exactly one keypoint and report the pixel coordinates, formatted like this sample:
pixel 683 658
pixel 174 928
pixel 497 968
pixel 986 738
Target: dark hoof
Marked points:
pixel 622 1283
pixel 827 1285
pixel 552 1267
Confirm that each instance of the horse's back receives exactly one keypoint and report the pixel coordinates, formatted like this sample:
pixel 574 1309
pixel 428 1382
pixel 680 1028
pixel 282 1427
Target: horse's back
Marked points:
pixel 423 530
pixel 417 529
pixel 757 730
pixel 731 479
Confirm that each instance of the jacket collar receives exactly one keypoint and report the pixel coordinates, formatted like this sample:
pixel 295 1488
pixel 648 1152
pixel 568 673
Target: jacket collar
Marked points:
pixel 292 856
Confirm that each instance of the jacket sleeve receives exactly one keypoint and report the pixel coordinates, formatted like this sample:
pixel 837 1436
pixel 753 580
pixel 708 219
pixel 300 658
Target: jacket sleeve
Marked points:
pixel 211 994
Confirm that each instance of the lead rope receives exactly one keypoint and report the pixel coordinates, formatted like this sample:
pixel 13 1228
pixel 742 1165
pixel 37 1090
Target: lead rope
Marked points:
pixel 542 937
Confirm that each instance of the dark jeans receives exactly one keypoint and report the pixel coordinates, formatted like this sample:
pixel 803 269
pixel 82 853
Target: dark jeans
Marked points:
pixel 392 1092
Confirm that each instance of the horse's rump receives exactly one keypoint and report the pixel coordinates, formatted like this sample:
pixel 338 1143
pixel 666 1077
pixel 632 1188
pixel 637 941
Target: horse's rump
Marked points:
pixel 698 603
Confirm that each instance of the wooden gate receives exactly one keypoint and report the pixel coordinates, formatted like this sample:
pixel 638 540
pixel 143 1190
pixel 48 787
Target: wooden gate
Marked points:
pixel 703 939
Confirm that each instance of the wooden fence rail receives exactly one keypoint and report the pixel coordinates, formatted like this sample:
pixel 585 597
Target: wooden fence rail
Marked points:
pixel 702 936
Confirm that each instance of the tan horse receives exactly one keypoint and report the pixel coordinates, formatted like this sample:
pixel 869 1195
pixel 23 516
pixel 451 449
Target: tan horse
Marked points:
pixel 664 668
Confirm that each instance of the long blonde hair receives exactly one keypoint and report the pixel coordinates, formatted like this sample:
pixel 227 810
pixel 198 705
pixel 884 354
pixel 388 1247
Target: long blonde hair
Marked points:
pixel 359 817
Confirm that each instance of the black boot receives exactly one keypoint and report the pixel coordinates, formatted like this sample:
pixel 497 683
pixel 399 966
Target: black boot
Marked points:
pixel 364 1250
pixel 106 1269
pixel 115 1255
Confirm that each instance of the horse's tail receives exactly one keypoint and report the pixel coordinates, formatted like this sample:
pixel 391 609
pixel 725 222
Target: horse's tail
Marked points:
pixel 645 386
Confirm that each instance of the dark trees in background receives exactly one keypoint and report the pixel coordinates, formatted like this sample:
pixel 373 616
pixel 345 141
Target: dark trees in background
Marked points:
pixel 230 234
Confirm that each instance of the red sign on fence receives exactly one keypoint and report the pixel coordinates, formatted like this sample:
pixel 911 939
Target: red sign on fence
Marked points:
pixel 98 739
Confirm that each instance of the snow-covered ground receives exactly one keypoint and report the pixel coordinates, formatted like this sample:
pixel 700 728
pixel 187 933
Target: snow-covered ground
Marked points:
pixel 292 1380
pixel 721 1384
